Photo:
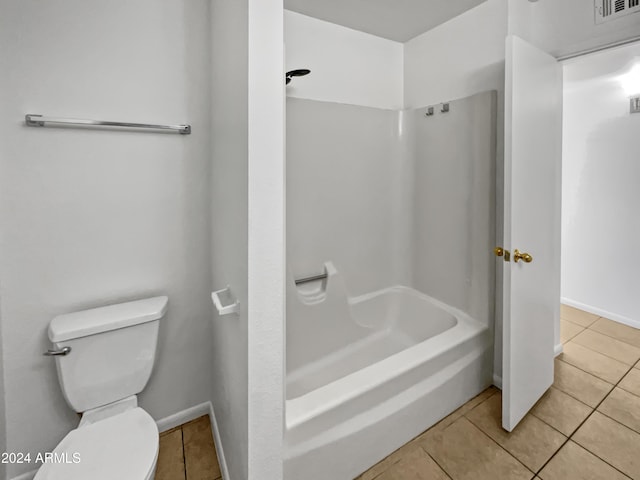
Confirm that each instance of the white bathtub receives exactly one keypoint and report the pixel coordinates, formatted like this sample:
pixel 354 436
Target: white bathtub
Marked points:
pixel 372 373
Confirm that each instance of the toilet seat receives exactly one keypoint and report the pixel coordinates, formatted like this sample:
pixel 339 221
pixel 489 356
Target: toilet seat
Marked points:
pixel 124 447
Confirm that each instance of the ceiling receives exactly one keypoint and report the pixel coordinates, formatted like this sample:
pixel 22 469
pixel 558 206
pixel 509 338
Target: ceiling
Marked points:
pixel 398 20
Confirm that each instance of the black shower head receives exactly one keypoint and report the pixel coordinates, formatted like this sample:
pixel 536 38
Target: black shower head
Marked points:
pixel 296 73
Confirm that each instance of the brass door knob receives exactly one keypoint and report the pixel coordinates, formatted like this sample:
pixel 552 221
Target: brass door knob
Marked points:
pixel 525 257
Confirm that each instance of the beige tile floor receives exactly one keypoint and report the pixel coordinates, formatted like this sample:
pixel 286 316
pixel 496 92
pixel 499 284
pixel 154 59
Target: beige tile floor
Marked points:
pixel 187 452
pixel 586 427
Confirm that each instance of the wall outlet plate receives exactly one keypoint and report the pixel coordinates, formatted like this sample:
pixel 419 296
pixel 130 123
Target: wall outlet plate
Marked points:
pixel 635 105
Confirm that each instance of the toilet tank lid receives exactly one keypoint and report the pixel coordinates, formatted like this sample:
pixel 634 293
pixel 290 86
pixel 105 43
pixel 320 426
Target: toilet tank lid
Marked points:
pixel 103 319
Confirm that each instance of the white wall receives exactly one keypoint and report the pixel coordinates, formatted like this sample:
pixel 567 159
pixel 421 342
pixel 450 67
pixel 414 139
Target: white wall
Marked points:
pixel 459 58
pixel 90 217
pixel 248 233
pixel 568 26
pixel 600 230
pixel 347 66
pixel 229 226
pixel 266 253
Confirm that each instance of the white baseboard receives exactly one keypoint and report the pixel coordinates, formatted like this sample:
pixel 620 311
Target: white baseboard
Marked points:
pixel 603 313
pixel 222 461
pixel 184 416
pixel 192 413
pixel 26 476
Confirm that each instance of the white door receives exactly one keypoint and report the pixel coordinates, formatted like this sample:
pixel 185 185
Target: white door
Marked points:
pixel 533 150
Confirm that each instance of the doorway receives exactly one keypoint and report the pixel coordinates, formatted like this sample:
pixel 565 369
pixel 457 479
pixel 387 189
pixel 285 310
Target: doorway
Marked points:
pixel 600 173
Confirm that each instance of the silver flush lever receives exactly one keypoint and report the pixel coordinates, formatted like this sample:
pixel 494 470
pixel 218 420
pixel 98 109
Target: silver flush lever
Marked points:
pixel 55 353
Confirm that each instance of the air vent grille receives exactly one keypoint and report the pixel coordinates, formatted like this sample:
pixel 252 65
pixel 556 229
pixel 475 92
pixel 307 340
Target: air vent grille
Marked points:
pixel 611 9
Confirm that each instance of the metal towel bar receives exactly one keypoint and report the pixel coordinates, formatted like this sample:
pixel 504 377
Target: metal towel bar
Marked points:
pixel 41 121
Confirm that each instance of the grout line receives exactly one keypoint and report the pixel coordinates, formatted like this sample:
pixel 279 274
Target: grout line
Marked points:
pixel 607 335
pixel 625 390
pixel 579 324
pixel 577 399
pixel 394 452
pixel 574 398
pixel 576 323
pixel 595 376
pixel 434 461
pixel 581 401
pixel 500 446
pixel 377 476
pixel 184 454
pixel 551 426
pixel 469 411
pixel 580 426
pixel 461 416
pixel 568 340
pixel 602 353
pixel 489 437
pixel 618 422
pixel 599 353
pixel 603 460
pixel 184 450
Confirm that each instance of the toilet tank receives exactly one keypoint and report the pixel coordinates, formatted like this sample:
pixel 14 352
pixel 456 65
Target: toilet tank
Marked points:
pixel 112 352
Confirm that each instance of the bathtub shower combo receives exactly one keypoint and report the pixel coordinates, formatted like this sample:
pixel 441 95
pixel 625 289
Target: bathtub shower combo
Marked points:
pixel 390 276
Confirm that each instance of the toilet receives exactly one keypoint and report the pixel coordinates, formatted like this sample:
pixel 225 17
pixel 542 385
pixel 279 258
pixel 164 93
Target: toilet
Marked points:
pixel 104 357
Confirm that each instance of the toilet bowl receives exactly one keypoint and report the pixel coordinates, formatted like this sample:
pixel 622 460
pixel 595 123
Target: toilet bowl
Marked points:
pixel 123 447
pixel 104 358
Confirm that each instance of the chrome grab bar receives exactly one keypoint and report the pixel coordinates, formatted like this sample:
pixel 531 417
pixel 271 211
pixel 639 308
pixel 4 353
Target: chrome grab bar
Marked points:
pixel 32 120
pixel 313 278
pixel 57 353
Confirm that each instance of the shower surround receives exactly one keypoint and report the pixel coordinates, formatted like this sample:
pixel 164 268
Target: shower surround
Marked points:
pixel 397 209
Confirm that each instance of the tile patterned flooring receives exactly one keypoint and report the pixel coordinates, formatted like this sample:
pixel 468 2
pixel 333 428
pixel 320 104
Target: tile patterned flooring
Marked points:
pixel 586 427
pixel 187 452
